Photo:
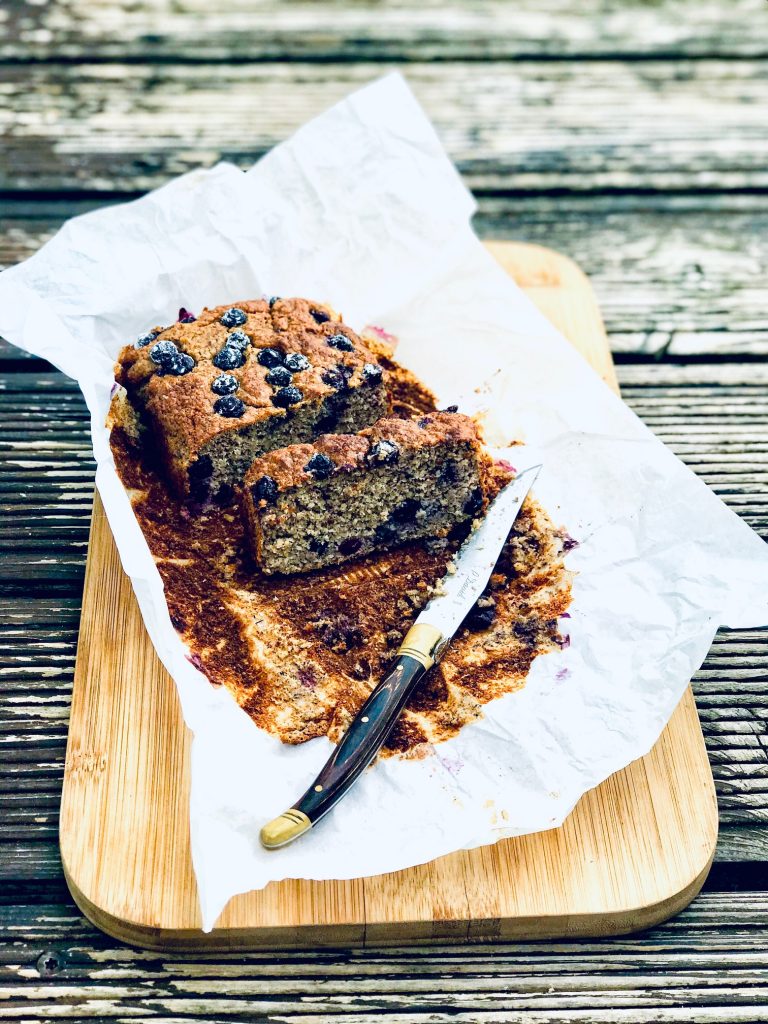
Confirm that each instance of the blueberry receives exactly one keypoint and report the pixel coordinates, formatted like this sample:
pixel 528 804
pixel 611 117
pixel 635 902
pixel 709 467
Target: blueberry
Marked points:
pixel 382 453
pixel 335 379
pixel 450 408
pixel 228 358
pixel 318 546
pixel 341 635
pixel 201 469
pixel 449 472
pixel 330 416
pixel 279 377
pixel 526 630
pixel 178 365
pixel 224 495
pixel 372 374
pixel 233 317
pixel 474 503
pixel 273 300
pixel 460 531
pixel 145 339
pixel 163 352
pixel 350 545
pixel 340 341
pixel 229 406
pixel 424 422
pixel 320 466
pixel 406 511
pixel 287 396
pixel 185 317
pixel 238 340
pixel 481 617
pixel 270 357
pixel 320 316
pixel 296 362
pixel 225 384
pixel 199 489
pixel 324 425
pixel 265 489
pixel 385 533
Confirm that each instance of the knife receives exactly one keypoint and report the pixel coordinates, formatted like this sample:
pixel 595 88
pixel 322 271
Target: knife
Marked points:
pixel 423 646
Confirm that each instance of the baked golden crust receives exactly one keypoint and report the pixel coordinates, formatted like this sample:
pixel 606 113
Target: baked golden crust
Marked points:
pixel 287 466
pixel 183 408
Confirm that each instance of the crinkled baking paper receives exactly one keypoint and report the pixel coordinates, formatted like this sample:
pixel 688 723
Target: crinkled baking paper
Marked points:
pixel 361 208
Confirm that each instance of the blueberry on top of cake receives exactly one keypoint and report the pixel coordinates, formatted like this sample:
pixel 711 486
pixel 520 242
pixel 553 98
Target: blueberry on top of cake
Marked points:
pixel 311 505
pixel 246 378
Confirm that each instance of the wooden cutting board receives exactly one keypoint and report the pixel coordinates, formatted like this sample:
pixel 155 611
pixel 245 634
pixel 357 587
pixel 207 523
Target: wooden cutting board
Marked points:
pixel 635 850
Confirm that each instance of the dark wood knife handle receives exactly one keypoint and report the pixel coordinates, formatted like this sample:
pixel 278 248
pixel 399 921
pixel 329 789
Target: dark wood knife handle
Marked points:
pixel 361 742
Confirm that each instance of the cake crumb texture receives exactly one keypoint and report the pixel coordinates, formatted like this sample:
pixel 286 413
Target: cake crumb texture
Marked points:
pixel 237 381
pixel 344 496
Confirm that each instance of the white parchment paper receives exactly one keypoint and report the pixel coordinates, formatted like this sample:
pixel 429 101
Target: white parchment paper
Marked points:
pixel 362 208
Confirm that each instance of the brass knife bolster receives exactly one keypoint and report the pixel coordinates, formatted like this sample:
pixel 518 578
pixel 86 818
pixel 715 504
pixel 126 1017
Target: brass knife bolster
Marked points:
pixel 422 642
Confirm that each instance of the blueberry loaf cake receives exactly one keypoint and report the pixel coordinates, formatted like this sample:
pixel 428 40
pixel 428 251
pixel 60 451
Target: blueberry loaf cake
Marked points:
pixel 223 388
pixel 312 505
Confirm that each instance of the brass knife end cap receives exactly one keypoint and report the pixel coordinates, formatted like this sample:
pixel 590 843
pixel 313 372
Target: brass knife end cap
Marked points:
pixel 284 829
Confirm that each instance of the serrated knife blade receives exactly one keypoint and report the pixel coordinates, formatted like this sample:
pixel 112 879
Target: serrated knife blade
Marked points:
pixel 423 645
pixel 474 562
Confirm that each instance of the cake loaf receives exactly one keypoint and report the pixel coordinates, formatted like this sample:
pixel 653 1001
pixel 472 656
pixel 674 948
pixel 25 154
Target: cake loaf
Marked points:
pixel 223 388
pixel 312 505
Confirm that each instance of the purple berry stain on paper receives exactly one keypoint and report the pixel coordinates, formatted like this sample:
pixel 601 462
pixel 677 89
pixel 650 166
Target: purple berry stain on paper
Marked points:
pixel 194 659
pixel 375 331
pixel 562 674
pixel 452 764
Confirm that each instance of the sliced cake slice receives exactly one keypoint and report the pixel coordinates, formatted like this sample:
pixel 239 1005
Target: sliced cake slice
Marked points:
pixel 235 382
pixel 312 505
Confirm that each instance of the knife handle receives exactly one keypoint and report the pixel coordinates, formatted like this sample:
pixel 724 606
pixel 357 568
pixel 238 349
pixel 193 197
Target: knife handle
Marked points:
pixel 362 740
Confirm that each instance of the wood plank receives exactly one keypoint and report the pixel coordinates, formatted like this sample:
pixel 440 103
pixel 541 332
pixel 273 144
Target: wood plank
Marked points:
pixel 379 29
pixel 674 278
pixel 526 126
pixel 708 964
pixel 741 844
pixel 29 861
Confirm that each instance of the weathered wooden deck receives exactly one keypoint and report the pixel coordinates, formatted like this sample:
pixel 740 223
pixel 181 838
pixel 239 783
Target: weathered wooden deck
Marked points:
pixel 631 135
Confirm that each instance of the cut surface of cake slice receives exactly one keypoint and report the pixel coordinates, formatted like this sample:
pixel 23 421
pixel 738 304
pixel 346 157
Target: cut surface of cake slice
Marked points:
pixel 313 505
pixel 219 390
